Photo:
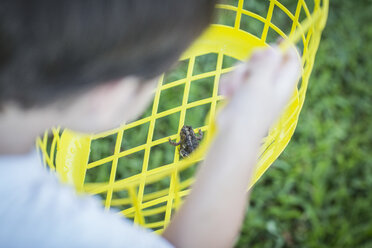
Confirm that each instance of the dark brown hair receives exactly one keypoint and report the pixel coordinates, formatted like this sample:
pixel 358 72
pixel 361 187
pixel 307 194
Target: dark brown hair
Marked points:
pixel 50 48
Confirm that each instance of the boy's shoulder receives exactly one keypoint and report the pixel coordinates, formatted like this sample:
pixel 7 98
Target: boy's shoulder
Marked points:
pixel 37 209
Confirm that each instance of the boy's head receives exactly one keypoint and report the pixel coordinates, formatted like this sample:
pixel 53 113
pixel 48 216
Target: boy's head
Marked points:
pixel 50 49
pixel 103 56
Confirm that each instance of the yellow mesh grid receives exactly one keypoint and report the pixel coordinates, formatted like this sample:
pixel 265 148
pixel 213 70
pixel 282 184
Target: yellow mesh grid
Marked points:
pixel 152 189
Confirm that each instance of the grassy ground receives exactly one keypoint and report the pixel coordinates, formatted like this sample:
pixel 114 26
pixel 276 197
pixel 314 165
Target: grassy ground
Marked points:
pixel 316 193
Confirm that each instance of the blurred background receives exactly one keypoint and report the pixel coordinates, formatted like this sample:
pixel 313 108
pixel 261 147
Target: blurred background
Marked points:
pixel 317 193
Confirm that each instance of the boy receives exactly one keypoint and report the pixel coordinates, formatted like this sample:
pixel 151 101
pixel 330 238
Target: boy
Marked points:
pixel 90 65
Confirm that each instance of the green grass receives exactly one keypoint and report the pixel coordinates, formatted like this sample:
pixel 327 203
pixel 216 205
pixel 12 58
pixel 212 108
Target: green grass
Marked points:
pixel 317 193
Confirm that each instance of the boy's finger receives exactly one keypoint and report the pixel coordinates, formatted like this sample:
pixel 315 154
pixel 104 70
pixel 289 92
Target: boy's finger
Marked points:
pixel 288 74
pixel 258 70
pixel 231 82
pixel 264 64
pixel 279 41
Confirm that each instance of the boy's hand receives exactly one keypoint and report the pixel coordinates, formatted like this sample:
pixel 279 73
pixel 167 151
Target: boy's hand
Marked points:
pixel 259 89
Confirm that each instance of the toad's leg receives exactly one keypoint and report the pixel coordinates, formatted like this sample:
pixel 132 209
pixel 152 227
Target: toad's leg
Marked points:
pixel 184 153
pixel 174 143
pixel 200 135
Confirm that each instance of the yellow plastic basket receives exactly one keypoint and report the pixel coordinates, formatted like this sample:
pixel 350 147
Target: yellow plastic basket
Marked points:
pixel 152 186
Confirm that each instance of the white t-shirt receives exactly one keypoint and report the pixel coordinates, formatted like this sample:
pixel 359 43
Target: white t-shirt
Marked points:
pixel 37 211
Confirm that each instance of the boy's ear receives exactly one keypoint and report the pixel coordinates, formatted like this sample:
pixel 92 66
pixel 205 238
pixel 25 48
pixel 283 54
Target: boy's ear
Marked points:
pixel 107 94
pixel 110 101
pixel 97 109
pixel 108 105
